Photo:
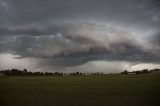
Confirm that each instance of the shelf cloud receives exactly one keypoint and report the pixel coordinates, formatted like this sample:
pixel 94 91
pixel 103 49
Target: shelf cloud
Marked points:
pixel 76 33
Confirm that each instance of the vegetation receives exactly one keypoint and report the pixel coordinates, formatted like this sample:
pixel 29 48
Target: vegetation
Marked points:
pixel 16 72
pixel 144 71
pixel 110 90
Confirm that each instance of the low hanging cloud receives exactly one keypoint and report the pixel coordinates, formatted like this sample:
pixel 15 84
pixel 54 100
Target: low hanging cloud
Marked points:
pixel 70 44
pixel 75 33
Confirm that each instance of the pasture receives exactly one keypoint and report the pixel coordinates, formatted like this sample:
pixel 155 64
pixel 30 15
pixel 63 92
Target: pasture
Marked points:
pixel 109 90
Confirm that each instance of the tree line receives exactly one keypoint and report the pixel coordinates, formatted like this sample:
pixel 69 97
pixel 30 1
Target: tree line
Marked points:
pixel 24 72
pixel 16 72
pixel 144 71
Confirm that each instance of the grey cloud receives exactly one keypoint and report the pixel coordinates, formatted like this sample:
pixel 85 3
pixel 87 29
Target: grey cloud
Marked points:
pixel 156 39
pixel 131 54
pixel 74 32
pixel 75 45
pixel 32 30
pixel 155 42
pixel 41 42
pixel 124 11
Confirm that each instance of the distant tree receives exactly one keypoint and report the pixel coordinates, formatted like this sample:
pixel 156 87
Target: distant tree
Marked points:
pixel 145 71
pixel 48 73
pixel 124 72
pixel 25 70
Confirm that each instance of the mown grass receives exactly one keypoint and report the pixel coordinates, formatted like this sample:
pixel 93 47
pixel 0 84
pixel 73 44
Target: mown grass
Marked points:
pixel 111 90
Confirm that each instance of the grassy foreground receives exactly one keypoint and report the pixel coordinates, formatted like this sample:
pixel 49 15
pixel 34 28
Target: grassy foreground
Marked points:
pixel 111 90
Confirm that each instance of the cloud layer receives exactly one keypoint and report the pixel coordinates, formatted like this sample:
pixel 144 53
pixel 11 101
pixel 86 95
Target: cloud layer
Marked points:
pixel 72 33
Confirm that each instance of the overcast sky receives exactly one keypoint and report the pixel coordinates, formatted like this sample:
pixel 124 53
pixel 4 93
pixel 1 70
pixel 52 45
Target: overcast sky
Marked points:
pixel 80 35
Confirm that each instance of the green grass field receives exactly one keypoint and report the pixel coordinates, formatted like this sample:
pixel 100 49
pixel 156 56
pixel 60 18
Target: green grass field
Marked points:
pixel 111 90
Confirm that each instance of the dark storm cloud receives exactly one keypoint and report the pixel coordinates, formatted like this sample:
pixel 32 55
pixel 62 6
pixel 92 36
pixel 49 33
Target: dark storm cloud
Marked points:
pixel 60 31
pixel 30 30
pixel 41 42
pixel 156 39
pixel 155 42
pixel 37 11
pixel 72 45
pixel 130 53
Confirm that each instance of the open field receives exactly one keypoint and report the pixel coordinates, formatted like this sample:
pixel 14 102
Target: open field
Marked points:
pixel 111 90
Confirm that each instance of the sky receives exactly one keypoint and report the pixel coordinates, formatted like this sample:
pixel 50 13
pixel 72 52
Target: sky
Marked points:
pixel 80 35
